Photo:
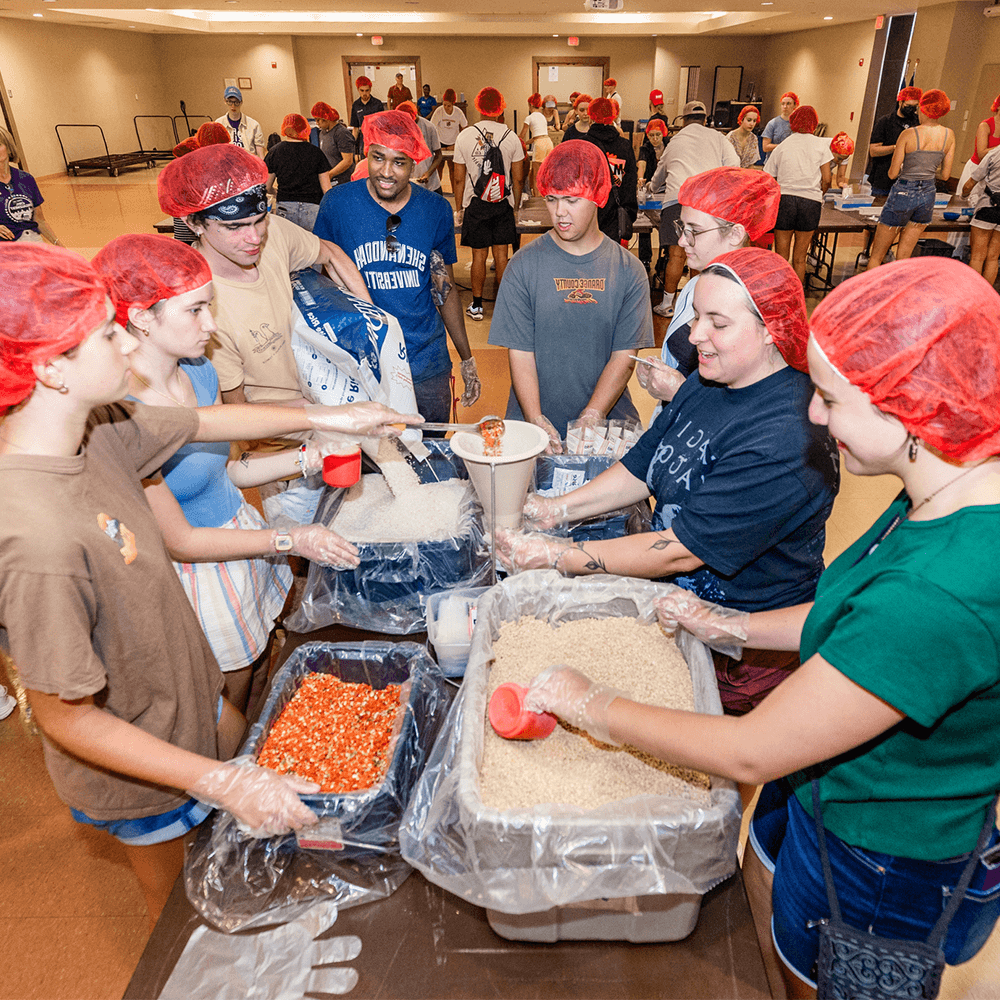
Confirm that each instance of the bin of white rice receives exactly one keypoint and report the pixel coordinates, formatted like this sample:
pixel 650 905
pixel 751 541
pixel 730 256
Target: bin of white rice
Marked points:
pixel 581 865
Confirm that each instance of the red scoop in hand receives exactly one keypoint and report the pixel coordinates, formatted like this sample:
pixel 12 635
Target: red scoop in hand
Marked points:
pixel 511 720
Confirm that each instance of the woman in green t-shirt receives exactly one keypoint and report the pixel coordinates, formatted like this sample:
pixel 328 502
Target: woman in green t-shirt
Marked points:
pixel 895 705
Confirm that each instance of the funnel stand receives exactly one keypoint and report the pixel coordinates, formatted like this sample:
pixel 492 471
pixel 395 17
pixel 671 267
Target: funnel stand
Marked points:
pixel 493 522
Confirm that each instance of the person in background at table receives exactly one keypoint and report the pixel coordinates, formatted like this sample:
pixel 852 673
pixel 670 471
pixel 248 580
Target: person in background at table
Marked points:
pixel 842 147
pixel 118 673
pixel 335 139
pixel 301 170
pixel 893 711
pixel 580 125
pixel 656 114
pixel 922 153
pixel 883 139
pixel 987 134
pixel 364 105
pixel 551 112
pixel 744 139
pixel 426 171
pixel 243 130
pixel 449 121
pixel 570 116
pixel 984 232
pixel 779 128
pixel 426 103
pixel 743 482
pixel 574 305
pixel 801 166
pixel 20 200
pixel 399 93
pixel 610 89
pixel 652 149
pixel 535 133
pixel 721 210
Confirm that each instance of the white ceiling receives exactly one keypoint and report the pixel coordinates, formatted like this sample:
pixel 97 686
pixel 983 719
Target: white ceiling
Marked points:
pixel 454 17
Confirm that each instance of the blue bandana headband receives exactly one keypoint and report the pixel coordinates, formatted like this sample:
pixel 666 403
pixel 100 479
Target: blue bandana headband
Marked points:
pixel 244 205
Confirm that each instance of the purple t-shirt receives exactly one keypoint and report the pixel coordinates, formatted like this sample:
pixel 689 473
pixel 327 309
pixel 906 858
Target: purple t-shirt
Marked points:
pixel 18 201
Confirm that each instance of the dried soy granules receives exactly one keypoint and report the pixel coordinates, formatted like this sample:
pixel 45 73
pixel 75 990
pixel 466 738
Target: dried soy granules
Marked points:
pixel 335 733
pixel 569 767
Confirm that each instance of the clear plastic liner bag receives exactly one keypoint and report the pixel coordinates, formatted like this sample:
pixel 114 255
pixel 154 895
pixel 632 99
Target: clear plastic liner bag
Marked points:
pixel 237 883
pixel 387 591
pixel 530 860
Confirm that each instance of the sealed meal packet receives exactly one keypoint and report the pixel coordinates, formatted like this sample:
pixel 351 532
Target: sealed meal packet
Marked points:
pixel 606 437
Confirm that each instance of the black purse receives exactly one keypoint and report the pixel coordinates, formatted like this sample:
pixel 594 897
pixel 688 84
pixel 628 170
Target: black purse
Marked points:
pixel 855 965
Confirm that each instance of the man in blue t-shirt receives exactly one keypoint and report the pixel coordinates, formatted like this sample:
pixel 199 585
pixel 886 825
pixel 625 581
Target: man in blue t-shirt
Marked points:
pixel 402 240
pixel 426 103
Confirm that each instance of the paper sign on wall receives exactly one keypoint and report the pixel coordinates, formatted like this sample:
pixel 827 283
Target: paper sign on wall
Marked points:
pixel 413 73
pixel 553 74
pixel 369 71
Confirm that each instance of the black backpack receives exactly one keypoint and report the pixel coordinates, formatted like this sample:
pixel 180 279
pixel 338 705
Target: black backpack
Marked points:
pixel 492 183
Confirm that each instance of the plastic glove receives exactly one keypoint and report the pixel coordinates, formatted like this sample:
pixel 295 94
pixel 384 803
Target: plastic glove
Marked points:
pixel 544 512
pixel 272 965
pixel 264 802
pixel 519 550
pixel 320 545
pixel 321 444
pixel 591 417
pixel 359 419
pixel 659 379
pixel 554 447
pixel 473 387
pixel 723 629
pixel 573 696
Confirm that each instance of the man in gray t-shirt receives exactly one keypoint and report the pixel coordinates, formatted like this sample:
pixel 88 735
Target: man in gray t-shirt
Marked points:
pixel 573 305
pixel 336 140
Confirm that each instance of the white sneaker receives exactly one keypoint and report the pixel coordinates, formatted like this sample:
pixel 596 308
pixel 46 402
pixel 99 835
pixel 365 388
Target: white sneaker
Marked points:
pixel 7 703
pixel 475 312
pixel 665 308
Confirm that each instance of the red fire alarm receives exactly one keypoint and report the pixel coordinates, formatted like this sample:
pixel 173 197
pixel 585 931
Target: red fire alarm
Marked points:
pixel 274 65
pixel 573 40
pixel 861 62
pixel 376 39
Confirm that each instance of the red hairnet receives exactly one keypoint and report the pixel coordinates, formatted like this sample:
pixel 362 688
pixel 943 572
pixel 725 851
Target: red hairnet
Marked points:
pixel 362 81
pixel 410 108
pixel 490 102
pixel 294 126
pixel 449 95
pixel 601 111
pixel 54 299
pixel 140 269
pixel 909 94
pixel 732 194
pixel 582 99
pixel 919 338
pixel 188 145
pixel 995 106
pixel 792 95
pixel 535 100
pixel 804 119
pixel 935 103
pixel 323 110
pixel 576 169
pixel 574 96
pixel 611 82
pixel 397 131
pixel 212 133
pixel 656 125
pixel 777 293
pixel 361 170
pixel 747 110
pixel 842 144
pixel 206 177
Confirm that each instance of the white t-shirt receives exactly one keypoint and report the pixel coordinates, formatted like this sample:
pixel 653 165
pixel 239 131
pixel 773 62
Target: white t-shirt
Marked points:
pixel 470 147
pixel 448 126
pixel 693 150
pixel 988 170
pixel 795 164
pixel 537 123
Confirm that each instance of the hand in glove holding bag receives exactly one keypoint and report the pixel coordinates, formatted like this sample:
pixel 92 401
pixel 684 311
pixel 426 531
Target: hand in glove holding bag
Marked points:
pixel 554 447
pixel 544 512
pixel 723 629
pixel 470 378
pixel 591 417
pixel 574 697
pixel 359 420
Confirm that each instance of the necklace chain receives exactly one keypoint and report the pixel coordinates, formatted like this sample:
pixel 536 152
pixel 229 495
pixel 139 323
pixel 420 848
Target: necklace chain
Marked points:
pixel 165 395
pixel 931 496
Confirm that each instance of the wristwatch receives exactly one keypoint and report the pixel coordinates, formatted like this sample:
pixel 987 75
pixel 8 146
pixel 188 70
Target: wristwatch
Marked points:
pixel 282 541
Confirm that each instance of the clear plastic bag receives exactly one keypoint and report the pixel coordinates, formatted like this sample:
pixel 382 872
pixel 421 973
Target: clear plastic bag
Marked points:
pixel 529 860
pixel 387 591
pixel 237 883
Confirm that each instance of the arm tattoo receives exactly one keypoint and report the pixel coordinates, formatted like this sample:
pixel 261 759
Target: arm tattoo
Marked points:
pixel 245 459
pixel 661 543
pixel 594 564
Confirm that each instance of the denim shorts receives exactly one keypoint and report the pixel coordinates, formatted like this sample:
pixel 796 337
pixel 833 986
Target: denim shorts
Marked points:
pixel 908 201
pixel 890 896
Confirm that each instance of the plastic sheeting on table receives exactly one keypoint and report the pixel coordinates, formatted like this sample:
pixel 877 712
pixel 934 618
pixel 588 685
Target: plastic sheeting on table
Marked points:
pixel 528 860
pixel 237 883
pixel 387 591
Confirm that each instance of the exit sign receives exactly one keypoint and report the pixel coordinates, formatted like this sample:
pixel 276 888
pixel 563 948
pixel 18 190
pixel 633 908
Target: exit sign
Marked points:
pixel 879 22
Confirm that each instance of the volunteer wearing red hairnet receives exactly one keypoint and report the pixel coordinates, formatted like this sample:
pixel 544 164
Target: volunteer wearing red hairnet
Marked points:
pixel 842 146
pixel 120 678
pixel 801 166
pixel 778 129
pixel 535 133
pixel 573 306
pixel 721 210
pixel 987 134
pixel 427 171
pixel 402 237
pixel 580 123
pixel 610 91
pixel 921 155
pixel 336 141
pixel 365 105
pixel 894 708
pixel 301 170
pixel 743 482
pixel 744 139
pixel 885 132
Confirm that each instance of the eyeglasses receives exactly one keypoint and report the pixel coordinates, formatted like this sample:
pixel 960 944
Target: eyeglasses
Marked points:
pixel 692 234
pixel 391 225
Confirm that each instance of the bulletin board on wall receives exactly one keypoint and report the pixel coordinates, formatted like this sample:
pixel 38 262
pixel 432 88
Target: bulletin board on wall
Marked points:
pixel 382 74
pixel 585 74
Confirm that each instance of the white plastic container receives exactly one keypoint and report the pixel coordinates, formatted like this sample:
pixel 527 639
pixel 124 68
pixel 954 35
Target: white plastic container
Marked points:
pixel 451 618
pixel 853 201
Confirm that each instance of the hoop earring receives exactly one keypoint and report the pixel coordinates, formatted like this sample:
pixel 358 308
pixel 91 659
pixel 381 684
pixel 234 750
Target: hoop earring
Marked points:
pixel 913 449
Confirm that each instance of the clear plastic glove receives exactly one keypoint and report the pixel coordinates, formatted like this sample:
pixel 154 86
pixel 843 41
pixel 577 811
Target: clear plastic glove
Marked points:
pixel 518 550
pixel 275 964
pixel 591 417
pixel 544 512
pixel 659 379
pixel 320 545
pixel 321 444
pixel 573 696
pixel 723 629
pixel 264 802
pixel 554 447
pixel 470 377
pixel 359 419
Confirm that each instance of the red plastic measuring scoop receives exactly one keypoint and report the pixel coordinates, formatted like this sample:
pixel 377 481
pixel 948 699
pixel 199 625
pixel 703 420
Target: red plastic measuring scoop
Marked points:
pixel 342 470
pixel 511 720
